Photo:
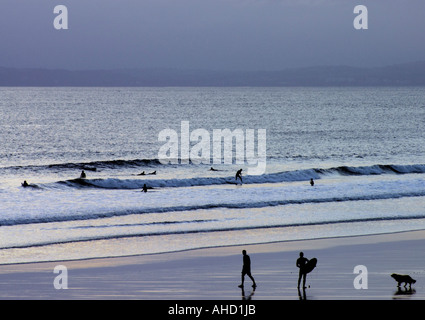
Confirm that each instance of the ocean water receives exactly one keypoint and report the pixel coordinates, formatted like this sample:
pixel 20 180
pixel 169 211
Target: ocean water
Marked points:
pixel 364 148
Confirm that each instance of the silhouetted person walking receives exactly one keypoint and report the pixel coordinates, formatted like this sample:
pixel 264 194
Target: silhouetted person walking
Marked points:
pixel 246 269
pixel 301 262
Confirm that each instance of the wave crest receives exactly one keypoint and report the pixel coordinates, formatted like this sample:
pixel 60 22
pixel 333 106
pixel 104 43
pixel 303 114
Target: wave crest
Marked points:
pixel 279 177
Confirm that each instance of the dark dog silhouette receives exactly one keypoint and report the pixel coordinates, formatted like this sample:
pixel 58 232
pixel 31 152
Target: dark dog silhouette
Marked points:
pixel 400 278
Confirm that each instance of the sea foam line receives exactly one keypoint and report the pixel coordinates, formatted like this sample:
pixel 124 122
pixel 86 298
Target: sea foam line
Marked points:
pixel 236 205
pixel 209 230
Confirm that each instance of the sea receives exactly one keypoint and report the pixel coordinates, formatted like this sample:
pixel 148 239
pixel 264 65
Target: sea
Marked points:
pixel 364 148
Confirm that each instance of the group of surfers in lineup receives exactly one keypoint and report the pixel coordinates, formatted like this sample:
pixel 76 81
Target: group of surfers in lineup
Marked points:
pixel 246 270
pixel 145 188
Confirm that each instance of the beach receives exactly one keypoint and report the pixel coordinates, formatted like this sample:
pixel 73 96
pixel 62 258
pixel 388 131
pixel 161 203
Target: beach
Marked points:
pixel 214 273
pixel 183 239
pixel 149 149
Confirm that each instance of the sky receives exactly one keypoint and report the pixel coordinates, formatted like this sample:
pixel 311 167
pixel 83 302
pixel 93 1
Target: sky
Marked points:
pixel 210 34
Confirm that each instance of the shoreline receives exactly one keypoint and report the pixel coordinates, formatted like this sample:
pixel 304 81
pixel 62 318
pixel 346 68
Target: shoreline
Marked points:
pixel 214 273
pixel 410 235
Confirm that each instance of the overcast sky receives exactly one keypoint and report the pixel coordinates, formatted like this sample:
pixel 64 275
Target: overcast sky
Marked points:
pixel 210 34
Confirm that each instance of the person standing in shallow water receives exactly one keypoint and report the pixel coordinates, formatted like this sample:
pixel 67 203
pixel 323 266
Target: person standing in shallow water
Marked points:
pixel 246 269
pixel 239 175
pixel 301 262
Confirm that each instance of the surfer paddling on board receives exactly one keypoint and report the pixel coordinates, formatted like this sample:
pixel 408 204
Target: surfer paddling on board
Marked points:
pixel 301 263
pixel 143 173
pixel 246 269
pixel 238 175
pixel 25 184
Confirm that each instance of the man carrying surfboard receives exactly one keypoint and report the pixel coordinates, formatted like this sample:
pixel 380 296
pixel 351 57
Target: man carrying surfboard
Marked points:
pixel 301 263
pixel 306 266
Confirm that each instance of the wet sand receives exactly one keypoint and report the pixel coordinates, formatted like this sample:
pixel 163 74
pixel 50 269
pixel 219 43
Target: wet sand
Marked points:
pixel 214 274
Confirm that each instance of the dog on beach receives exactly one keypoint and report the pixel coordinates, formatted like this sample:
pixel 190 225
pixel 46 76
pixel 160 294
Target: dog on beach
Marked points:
pixel 400 278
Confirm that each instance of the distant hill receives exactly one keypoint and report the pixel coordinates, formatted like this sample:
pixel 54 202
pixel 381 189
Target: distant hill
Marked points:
pixel 409 74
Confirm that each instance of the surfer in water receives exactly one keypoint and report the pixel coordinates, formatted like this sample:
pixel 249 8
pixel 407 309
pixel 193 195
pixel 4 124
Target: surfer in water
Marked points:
pixel 239 175
pixel 82 175
pixel 144 173
pixel 25 184
pixel 301 262
pixel 311 182
pixel 145 189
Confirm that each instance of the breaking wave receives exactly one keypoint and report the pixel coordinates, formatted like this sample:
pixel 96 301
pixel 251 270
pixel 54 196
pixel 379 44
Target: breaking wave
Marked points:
pixel 286 176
